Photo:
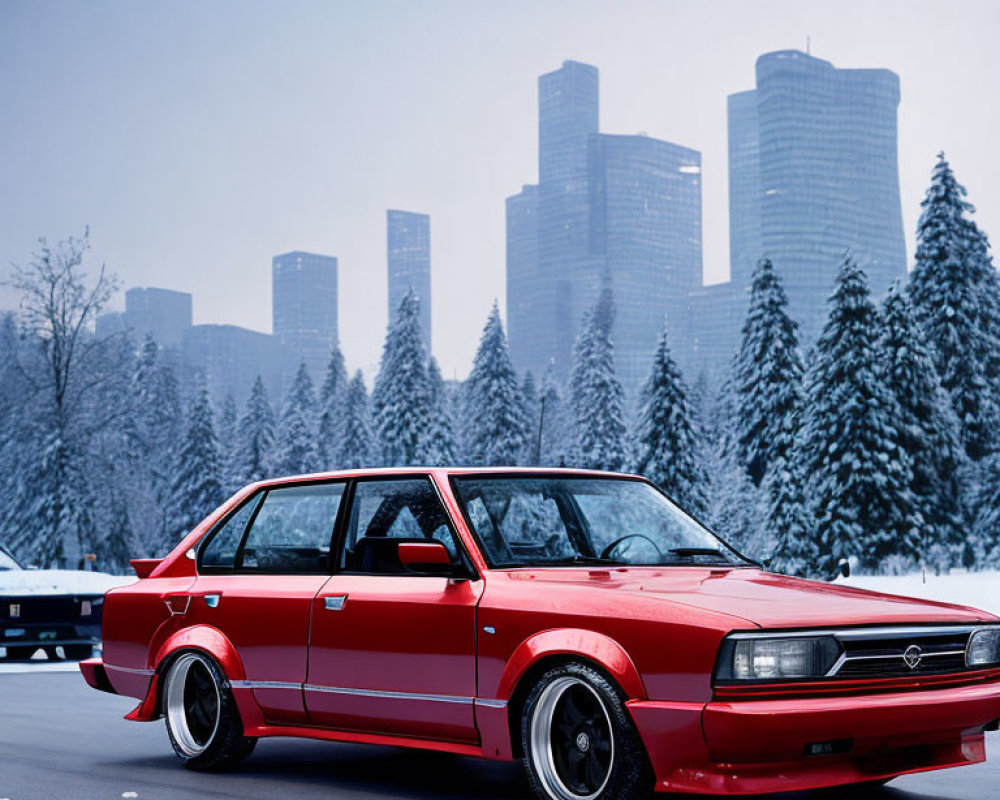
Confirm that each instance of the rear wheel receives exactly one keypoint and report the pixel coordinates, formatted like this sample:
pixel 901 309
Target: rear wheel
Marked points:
pixel 579 741
pixel 203 722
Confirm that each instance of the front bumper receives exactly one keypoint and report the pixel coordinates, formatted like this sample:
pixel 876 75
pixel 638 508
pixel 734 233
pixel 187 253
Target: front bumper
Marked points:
pixel 41 634
pixel 760 746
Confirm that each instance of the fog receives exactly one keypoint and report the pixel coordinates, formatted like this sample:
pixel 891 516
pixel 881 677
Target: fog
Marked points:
pixel 198 139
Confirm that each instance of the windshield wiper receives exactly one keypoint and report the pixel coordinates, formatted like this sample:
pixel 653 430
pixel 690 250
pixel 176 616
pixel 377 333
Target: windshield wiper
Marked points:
pixel 585 560
pixel 688 552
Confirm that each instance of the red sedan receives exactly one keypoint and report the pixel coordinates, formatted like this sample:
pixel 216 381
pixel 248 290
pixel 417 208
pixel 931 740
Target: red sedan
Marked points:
pixel 577 621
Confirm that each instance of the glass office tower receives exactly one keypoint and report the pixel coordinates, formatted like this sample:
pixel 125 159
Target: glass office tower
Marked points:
pixel 409 261
pixel 824 178
pixel 304 303
pixel 626 209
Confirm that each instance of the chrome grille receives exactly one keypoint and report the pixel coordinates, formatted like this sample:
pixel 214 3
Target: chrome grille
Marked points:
pixel 899 652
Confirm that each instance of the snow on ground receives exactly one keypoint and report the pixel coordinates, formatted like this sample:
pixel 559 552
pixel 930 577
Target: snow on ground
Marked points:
pixel 23 582
pixel 977 589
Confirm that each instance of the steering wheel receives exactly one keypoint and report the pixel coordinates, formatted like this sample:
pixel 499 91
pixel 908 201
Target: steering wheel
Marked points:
pixel 606 552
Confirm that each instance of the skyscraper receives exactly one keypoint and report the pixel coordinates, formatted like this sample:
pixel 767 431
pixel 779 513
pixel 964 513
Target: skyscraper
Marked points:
pixel 409 260
pixel 626 209
pixel 164 313
pixel 645 226
pixel 813 172
pixel 230 358
pixel 304 303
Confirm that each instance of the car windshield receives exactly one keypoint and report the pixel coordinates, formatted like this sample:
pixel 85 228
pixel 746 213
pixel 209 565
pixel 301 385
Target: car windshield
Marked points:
pixel 7 561
pixel 543 520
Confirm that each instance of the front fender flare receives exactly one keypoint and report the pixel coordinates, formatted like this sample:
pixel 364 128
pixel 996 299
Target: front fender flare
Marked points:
pixel 598 648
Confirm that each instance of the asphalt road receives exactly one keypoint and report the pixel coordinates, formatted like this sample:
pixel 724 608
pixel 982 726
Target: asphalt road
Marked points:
pixel 61 740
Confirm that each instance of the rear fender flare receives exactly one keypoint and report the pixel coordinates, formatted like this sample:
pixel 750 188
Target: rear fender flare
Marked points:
pixel 591 646
pixel 207 639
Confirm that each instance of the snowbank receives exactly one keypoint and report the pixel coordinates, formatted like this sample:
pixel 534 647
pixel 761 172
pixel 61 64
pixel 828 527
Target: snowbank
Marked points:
pixel 58 581
pixel 976 589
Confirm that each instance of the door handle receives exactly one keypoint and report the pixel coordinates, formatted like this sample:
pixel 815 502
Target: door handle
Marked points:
pixel 212 600
pixel 335 603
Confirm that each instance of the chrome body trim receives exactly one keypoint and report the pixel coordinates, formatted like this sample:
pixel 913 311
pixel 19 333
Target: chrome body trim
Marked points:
pixel 385 695
pixel 855 634
pixel 265 685
pixel 129 670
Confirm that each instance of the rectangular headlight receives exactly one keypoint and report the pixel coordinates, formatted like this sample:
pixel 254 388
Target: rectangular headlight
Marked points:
pixel 761 658
pixel 983 649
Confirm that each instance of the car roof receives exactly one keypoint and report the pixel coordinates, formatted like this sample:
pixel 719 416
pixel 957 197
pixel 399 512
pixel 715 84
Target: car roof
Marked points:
pixel 391 472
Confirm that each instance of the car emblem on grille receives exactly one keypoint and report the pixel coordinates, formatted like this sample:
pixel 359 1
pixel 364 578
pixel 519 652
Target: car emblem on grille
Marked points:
pixel 913 655
pixel 15 610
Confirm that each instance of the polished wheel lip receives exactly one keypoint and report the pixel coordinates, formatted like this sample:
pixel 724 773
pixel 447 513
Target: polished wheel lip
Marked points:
pixel 176 712
pixel 541 738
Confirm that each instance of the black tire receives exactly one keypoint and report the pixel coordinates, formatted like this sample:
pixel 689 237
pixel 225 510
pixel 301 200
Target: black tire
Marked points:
pixel 20 653
pixel 202 719
pixel 579 741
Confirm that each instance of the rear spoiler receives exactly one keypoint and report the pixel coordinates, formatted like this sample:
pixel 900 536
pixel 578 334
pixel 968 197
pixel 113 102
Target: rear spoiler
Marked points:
pixel 144 566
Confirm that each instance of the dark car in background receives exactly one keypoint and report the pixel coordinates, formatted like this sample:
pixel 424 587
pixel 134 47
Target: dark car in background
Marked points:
pixel 56 610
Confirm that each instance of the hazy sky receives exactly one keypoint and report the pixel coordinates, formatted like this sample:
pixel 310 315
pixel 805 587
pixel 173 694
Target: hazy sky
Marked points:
pixel 198 139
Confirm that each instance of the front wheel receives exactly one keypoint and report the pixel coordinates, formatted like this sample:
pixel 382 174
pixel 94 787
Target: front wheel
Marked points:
pixel 579 740
pixel 203 722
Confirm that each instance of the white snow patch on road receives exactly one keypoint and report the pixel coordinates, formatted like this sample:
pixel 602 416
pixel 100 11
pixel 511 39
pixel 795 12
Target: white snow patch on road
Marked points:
pixel 976 589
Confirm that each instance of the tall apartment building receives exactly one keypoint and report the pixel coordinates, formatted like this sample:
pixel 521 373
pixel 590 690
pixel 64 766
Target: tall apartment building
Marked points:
pixel 304 304
pixel 408 238
pixel 813 172
pixel 626 209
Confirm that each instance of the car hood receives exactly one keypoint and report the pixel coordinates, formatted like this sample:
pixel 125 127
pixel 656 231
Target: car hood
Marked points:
pixel 765 599
pixel 26 582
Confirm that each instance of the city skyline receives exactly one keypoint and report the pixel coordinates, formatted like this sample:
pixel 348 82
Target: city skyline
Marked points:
pixel 194 189
pixel 608 209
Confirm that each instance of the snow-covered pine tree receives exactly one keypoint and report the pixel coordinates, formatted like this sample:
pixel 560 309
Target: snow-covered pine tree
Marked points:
pixel 331 401
pixel 734 510
pixel 226 434
pixel 768 375
pixel 531 403
pixel 983 546
pixel 357 445
pixel 494 424
pixel 859 475
pixel 438 447
pixel 789 526
pixel 929 432
pixel 669 444
pixel 956 301
pixel 295 440
pixel 551 440
pixel 599 429
pixel 196 489
pixel 255 437
pixel 400 404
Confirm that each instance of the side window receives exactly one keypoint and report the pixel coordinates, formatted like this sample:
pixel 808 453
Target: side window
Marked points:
pixel 221 549
pixel 382 511
pixel 293 529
